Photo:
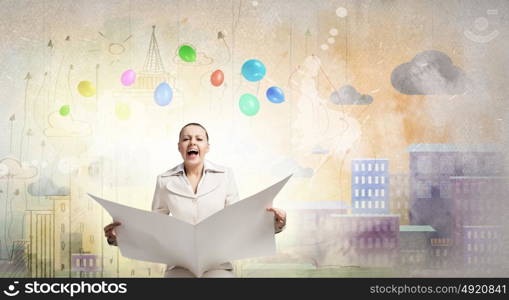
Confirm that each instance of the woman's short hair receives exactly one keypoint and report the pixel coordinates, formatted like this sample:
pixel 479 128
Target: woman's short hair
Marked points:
pixel 195 124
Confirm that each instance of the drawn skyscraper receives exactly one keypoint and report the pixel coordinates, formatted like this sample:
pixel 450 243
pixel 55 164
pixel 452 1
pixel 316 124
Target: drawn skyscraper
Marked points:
pixel 153 72
pixel 370 186
pixel 432 166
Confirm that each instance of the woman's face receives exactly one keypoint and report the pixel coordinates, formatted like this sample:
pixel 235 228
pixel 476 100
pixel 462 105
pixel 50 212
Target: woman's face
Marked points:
pixel 193 145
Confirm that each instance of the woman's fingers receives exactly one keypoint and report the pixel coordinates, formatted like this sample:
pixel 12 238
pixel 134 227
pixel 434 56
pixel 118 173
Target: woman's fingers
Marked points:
pixel 109 230
pixel 111 226
pixel 279 215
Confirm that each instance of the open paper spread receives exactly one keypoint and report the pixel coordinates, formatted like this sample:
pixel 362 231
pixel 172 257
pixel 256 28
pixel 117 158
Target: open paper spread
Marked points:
pixel 241 230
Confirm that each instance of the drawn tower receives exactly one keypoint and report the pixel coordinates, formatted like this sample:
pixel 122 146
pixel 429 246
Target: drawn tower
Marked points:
pixel 153 72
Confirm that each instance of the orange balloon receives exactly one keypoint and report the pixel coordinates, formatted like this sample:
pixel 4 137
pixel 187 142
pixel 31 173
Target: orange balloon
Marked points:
pixel 217 78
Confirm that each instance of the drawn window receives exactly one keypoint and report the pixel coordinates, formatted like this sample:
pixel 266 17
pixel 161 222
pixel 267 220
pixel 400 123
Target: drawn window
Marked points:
pixel 447 164
pixel 424 164
pixel 423 190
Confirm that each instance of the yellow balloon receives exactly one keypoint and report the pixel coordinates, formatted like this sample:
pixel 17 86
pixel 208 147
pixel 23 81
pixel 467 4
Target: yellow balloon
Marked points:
pixel 122 110
pixel 86 88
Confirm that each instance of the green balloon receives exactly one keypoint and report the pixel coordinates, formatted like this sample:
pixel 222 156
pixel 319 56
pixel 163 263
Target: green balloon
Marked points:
pixel 187 53
pixel 65 110
pixel 249 105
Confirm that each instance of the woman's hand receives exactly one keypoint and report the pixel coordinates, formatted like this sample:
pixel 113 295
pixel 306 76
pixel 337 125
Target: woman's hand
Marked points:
pixel 279 218
pixel 109 233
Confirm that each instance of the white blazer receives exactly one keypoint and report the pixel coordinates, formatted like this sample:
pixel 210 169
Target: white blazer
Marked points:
pixel 174 194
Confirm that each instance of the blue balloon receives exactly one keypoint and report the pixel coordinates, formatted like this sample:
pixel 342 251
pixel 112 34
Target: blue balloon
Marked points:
pixel 275 94
pixel 253 70
pixel 163 94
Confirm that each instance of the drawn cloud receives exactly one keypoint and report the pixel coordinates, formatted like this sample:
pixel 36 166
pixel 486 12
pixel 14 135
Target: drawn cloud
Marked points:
pixel 429 73
pixel 201 60
pixel 60 126
pixel 348 95
pixel 12 168
pixel 319 150
pixel 287 166
pixel 46 187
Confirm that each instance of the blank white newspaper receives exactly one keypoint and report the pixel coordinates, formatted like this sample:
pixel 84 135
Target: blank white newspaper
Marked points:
pixel 241 230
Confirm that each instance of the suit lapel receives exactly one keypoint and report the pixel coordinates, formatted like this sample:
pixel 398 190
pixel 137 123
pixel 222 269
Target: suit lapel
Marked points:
pixel 175 186
pixel 211 181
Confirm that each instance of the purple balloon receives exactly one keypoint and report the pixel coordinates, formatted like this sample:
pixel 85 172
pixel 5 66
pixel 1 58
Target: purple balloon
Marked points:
pixel 128 77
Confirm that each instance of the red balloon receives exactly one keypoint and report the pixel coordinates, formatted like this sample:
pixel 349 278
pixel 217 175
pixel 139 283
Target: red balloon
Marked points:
pixel 217 78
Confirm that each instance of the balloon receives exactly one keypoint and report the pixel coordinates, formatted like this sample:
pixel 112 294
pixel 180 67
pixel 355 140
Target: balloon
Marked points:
pixel 128 77
pixel 275 94
pixel 86 88
pixel 122 110
pixel 249 105
pixel 253 70
pixel 65 110
pixel 187 53
pixel 163 94
pixel 217 78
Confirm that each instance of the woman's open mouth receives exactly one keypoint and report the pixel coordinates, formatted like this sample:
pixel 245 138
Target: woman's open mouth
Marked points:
pixel 193 153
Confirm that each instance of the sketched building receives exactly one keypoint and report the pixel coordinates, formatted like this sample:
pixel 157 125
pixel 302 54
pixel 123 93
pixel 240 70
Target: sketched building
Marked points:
pixel 431 166
pixel 62 235
pixel 482 247
pixel 478 201
pixel 370 186
pixel 311 224
pixel 17 265
pixel 480 205
pixel 85 264
pixel 361 240
pixel 41 251
pixel 400 196
pixel 442 254
pixel 415 245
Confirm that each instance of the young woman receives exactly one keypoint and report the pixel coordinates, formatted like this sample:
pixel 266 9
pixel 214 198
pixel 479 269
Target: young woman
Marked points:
pixel 194 190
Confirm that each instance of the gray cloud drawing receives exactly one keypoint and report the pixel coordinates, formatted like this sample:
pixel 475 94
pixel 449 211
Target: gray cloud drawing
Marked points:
pixel 429 73
pixel 46 187
pixel 348 95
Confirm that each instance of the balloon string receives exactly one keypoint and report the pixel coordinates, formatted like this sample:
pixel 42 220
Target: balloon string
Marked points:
pixel 228 50
pixel 34 103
